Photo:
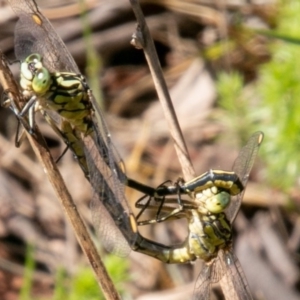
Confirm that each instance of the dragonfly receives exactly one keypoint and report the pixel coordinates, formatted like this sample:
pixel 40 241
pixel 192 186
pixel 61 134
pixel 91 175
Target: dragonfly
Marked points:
pixel 52 83
pixel 215 199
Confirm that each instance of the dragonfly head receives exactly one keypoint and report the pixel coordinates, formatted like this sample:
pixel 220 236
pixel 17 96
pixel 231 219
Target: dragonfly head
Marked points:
pixel 213 200
pixel 34 76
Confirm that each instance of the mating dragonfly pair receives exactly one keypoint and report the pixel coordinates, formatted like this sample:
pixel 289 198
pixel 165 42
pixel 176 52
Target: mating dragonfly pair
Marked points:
pixel 51 83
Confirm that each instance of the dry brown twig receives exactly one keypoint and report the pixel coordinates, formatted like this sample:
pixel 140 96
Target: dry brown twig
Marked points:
pixel 41 150
pixel 142 39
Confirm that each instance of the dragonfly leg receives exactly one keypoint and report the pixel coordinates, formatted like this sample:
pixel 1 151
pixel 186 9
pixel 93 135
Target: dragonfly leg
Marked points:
pixel 143 207
pixel 62 154
pixel 176 210
pixel 162 201
pixel 29 108
pixel 151 193
pixel 31 103
pixel 19 136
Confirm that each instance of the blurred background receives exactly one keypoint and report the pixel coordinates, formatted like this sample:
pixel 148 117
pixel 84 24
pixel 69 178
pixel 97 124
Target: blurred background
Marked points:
pixel 232 67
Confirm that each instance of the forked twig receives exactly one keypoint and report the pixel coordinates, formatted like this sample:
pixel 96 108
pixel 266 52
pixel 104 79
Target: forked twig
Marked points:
pixel 40 148
pixel 142 39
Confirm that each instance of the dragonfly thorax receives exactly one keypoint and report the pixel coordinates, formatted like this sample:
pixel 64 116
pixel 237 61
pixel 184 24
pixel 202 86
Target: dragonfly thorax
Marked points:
pixel 63 92
pixel 208 234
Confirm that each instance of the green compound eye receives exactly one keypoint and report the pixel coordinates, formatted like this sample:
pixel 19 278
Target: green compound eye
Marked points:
pixel 30 66
pixel 218 203
pixel 33 58
pixel 41 81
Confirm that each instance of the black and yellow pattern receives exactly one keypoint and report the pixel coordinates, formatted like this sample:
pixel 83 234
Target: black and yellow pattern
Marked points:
pixel 52 83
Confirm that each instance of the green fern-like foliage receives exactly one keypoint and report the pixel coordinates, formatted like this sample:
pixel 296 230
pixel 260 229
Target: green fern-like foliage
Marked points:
pixel 233 99
pixel 279 111
pixel 272 103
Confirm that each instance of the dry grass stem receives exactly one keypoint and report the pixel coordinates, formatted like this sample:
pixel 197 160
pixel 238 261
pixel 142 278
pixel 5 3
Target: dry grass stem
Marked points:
pixel 144 39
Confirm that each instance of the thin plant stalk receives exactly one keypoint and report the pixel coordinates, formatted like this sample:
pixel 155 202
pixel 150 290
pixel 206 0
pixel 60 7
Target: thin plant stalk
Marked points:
pixel 41 150
pixel 143 39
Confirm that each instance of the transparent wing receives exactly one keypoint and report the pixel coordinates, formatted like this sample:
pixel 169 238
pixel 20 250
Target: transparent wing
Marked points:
pixel 108 179
pixel 202 285
pixel 211 272
pixel 117 177
pixel 226 269
pixel 35 34
pixel 108 214
pixel 234 283
pixel 109 191
pixel 242 167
